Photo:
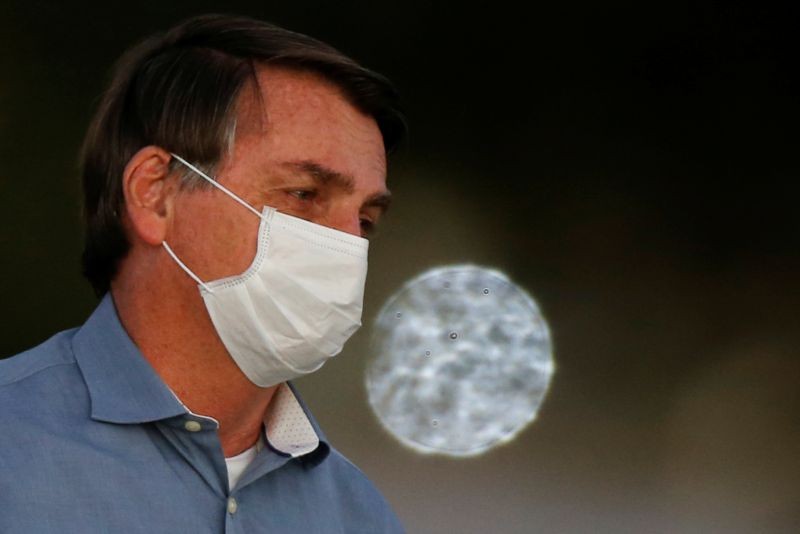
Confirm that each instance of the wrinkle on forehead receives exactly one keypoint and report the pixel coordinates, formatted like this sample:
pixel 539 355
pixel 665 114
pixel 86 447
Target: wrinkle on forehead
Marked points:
pixel 290 85
pixel 271 102
pixel 299 89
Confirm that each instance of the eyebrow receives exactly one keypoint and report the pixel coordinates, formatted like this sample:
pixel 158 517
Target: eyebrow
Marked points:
pixel 322 175
pixel 326 176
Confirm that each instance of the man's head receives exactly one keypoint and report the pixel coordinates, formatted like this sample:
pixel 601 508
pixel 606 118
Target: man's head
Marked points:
pixel 199 89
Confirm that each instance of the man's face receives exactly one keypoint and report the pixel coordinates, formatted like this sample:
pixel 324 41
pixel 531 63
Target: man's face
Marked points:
pixel 302 149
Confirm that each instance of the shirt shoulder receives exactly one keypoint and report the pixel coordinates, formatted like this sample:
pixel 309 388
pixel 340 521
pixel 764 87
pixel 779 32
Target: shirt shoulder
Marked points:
pixel 39 377
pixel 56 351
pixel 360 501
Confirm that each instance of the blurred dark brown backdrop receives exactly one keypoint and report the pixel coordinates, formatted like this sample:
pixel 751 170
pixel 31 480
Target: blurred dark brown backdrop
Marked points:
pixel 634 166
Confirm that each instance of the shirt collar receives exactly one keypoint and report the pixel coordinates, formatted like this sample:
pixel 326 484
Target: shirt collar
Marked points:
pixel 124 388
pixel 290 428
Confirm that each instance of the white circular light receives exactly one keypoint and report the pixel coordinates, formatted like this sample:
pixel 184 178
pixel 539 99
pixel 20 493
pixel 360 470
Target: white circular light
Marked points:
pixel 462 361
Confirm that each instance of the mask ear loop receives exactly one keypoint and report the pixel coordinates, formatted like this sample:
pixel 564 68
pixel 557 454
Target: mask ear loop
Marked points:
pixel 217 185
pixel 184 267
pixel 221 188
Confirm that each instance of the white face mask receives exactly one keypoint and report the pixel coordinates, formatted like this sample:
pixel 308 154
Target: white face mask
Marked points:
pixel 298 302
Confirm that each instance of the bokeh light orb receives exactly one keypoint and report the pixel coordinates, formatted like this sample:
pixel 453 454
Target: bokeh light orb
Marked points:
pixel 462 359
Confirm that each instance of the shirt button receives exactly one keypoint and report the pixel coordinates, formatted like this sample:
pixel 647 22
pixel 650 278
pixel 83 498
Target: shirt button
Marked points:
pixel 192 426
pixel 232 505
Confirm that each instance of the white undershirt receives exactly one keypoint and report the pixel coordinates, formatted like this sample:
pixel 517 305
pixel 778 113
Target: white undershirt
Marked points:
pixel 237 464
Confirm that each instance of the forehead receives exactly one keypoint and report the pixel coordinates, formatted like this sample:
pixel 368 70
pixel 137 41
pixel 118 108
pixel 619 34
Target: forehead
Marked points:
pixel 295 115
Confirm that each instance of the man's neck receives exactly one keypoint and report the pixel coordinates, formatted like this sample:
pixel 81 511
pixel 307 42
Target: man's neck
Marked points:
pixel 186 352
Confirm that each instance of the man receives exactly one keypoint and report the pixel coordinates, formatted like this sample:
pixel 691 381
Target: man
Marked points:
pixel 231 174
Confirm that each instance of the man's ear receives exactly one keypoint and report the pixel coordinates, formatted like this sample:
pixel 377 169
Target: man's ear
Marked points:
pixel 149 194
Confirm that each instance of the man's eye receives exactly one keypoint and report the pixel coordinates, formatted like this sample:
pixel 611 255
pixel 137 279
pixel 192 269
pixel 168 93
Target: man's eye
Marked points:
pixel 303 194
pixel 367 227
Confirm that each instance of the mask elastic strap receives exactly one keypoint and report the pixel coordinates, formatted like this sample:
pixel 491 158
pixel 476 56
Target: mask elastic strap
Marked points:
pixel 184 267
pixel 217 185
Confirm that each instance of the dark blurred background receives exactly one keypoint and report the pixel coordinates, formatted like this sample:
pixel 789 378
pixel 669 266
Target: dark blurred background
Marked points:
pixel 632 165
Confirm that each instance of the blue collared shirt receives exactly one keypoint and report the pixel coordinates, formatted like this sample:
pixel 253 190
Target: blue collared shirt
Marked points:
pixel 92 440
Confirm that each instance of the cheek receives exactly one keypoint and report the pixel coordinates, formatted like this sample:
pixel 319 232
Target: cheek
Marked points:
pixel 234 245
pixel 215 241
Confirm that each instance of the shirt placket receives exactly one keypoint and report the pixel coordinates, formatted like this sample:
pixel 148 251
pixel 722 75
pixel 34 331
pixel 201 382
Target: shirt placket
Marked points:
pixel 195 438
pixel 266 461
